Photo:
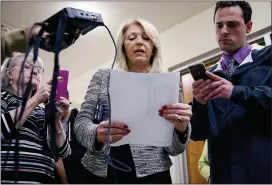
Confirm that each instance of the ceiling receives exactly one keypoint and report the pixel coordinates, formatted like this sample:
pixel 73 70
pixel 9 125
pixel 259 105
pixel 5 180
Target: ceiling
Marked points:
pixel 96 47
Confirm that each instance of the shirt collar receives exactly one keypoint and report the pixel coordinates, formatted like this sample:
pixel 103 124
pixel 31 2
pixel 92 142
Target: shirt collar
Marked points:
pixel 239 56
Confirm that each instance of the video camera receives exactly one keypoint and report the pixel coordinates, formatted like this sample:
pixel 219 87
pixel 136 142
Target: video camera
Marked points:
pixel 75 22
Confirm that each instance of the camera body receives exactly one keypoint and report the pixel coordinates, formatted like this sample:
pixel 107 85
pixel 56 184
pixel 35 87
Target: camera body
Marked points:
pixel 76 22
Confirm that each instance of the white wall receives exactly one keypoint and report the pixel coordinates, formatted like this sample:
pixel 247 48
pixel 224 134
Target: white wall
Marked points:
pixel 196 35
pixel 82 83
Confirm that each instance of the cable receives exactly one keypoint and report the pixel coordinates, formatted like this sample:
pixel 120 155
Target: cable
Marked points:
pixel 16 152
pixel 51 113
pixel 35 41
pixel 16 110
pixel 107 150
pixel 26 93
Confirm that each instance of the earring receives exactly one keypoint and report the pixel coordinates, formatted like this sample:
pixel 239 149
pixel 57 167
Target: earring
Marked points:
pixel 10 81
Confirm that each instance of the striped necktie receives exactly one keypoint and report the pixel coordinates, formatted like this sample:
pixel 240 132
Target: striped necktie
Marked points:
pixel 231 67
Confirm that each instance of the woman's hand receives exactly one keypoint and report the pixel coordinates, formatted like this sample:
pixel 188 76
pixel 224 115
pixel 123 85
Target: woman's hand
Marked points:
pixel 179 114
pixel 43 93
pixel 62 107
pixel 118 131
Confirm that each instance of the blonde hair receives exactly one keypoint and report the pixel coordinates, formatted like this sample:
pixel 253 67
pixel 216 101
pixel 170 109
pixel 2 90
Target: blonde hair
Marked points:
pixel 11 62
pixel 152 33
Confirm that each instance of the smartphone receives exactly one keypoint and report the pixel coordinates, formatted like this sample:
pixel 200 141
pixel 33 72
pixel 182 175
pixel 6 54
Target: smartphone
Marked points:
pixel 198 71
pixel 62 84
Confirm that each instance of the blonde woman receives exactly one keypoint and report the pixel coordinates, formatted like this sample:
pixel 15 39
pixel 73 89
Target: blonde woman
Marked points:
pixel 36 163
pixel 139 51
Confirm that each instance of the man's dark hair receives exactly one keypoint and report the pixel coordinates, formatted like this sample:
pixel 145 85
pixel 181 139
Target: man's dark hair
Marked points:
pixel 245 6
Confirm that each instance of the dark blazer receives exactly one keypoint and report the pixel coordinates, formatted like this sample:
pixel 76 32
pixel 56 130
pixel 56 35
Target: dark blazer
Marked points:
pixel 239 129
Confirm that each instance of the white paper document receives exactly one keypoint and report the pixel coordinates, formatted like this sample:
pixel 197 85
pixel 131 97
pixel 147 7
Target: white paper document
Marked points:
pixel 136 99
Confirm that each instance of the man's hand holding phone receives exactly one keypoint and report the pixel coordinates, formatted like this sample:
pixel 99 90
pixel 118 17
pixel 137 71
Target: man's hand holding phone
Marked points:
pixel 198 94
pixel 198 72
pixel 219 88
pixel 214 87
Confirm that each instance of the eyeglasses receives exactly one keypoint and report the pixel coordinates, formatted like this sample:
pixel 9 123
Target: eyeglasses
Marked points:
pixel 29 66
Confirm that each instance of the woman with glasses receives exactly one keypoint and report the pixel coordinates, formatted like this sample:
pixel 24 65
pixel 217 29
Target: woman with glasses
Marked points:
pixel 35 160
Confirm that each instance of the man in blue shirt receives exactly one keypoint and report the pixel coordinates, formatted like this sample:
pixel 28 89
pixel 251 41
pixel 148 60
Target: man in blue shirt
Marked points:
pixel 232 109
